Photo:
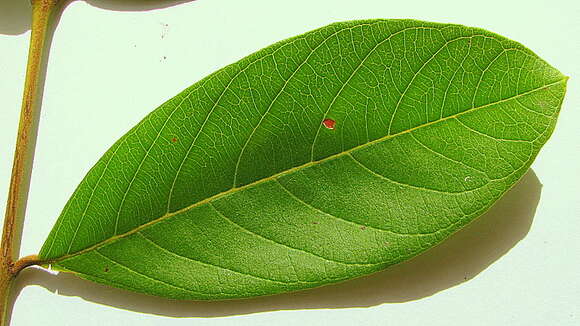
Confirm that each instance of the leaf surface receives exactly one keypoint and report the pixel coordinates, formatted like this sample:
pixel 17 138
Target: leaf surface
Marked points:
pixel 321 158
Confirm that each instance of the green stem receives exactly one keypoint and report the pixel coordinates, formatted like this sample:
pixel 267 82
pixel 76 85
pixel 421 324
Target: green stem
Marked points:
pixel 23 154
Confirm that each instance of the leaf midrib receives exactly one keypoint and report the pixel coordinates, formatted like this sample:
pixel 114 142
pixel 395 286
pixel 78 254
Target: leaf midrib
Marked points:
pixel 289 171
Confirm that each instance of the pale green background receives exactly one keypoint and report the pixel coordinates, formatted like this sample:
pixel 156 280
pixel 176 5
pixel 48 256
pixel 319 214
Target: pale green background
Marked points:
pixel 518 265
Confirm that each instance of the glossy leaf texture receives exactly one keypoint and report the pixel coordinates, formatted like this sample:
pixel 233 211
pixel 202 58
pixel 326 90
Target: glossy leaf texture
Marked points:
pixel 324 157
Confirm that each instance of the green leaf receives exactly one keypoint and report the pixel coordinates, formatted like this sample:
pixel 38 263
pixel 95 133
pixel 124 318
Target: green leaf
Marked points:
pixel 321 158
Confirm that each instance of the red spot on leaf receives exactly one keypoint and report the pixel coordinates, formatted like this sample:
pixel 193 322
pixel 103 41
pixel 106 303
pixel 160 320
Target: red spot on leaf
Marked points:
pixel 329 124
pixel 174 139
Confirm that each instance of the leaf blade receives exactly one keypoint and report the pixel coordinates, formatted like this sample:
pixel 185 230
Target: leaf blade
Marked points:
pixel 314 204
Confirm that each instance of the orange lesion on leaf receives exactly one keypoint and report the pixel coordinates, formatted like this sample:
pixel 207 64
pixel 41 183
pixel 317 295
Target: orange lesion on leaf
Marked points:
pixel 329 124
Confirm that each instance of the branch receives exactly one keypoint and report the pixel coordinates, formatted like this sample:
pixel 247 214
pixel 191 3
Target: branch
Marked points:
pixel 23 155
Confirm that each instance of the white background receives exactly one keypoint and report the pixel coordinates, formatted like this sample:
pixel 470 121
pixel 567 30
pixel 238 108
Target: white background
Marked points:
pixel 113 62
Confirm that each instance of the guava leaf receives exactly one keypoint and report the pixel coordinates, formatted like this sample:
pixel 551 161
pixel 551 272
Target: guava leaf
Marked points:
pixel 324 157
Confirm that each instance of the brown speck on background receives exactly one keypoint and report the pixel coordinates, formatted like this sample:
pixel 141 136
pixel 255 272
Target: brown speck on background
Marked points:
pixel 315 222
pixel 363 227
pixel 106 269
pixel 174 139
pixel 164 30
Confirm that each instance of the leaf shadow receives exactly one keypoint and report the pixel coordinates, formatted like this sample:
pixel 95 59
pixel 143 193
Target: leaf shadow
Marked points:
pixel 458 259
pixel 135 5
pixel 15 15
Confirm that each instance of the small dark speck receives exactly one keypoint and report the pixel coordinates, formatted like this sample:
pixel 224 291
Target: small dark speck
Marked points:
pixel 164 57
pixel 106 269
pixel 363 227
pixel 315 222
pixel 174 139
